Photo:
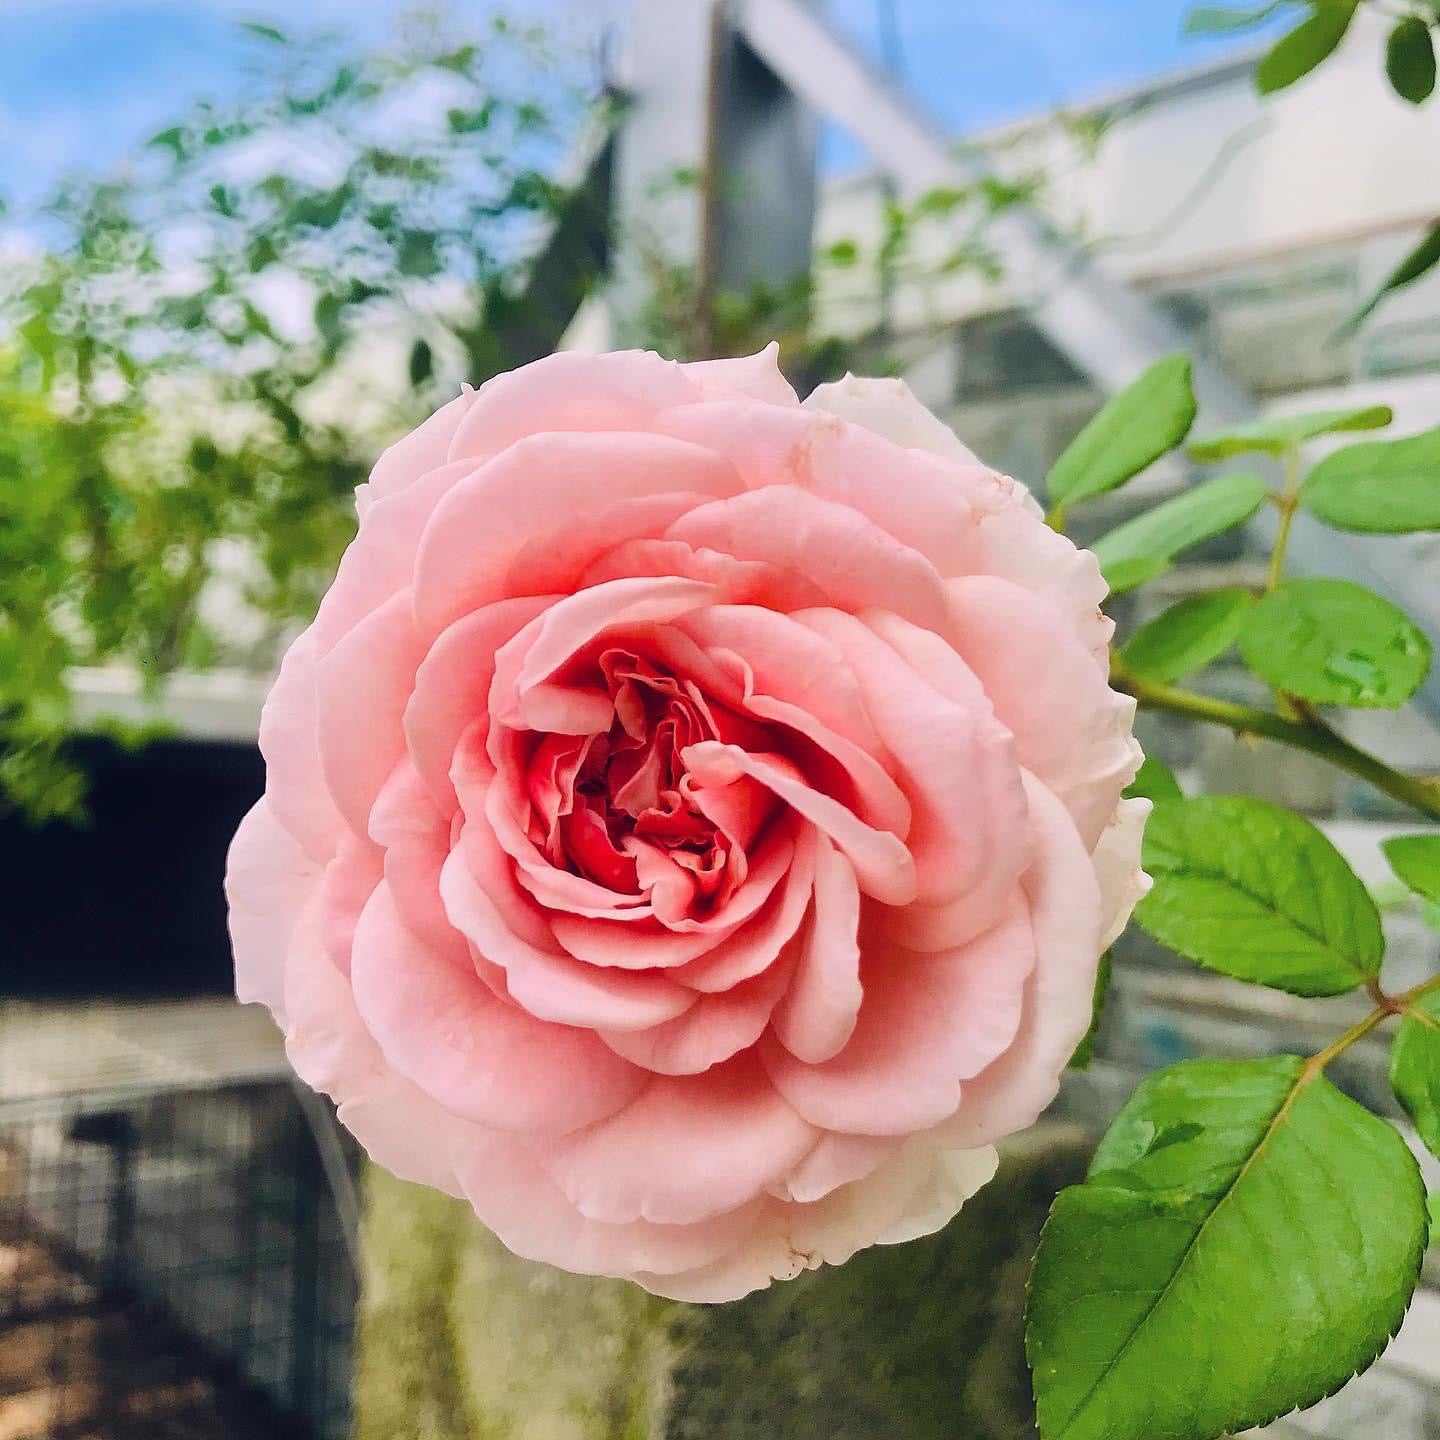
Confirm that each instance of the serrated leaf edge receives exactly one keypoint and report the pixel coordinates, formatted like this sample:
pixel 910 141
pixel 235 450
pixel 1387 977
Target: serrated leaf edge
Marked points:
pixel 1303 1079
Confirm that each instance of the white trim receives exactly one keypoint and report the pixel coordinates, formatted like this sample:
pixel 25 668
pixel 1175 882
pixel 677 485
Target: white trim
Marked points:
pixel 221 705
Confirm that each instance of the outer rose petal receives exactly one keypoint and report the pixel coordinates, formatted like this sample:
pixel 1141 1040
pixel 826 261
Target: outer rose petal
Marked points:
pixel 483 1059
pixel 1123 884
pixel 397 1123
pixel 789 1239
pixel 570 390
pixel 268 879
pixel 296 791
pixel 1034 672
pixel 424 449
pixel 1064 895
pixel 512 1194
pixel 755 377
pixel 726 1134
pixel 889 408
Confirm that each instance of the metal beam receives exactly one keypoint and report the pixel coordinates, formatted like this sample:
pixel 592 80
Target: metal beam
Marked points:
pixel 1107 328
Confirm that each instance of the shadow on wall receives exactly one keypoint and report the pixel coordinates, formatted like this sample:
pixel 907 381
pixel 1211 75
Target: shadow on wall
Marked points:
pixel 131 904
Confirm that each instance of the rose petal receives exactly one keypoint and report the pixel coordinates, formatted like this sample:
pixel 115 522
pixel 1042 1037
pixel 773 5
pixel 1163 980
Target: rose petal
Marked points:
pixel 709 1032
pixel 548 983
pixel 855 562
pixel 1116 857
pixel 756 377
pixel 1064 897
pixel 398 1124
pixel 956 761
pixel 571 390
pixel 295 787
pixel 512 1194
pixel 819 1011
pixel 361 689
pixel 481 1058
pixel 888 407
pixel 530 520
pixel 452 687
pixel 727 1134
pixel 928 1023
pixel 268 879
pixel 881 861
pixel 1033 671
pixel 424 449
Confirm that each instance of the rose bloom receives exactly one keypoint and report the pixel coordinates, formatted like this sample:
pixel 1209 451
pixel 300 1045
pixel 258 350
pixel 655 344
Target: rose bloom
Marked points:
pixel 693 819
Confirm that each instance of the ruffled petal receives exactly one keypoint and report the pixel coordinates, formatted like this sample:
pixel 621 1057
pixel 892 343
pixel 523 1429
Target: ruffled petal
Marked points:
pixel 888 408
pixel 424 449
pixel 481 1058
pixel 753 377
pixel 727 1136
pixel 882 863
pixel 818 1015
pixel 550 984
pixel 533 518
pixel 295 786
pixel 269 878
pixel 1116 856
pixel 929 1022
pixel 1064 898
pixel 569 391
pixel 1034 672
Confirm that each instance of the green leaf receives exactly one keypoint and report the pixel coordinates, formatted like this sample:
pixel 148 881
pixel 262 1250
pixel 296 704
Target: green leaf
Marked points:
pixel 1248 1238
pixel 172 140
pixel 1434 1204
pixel 418 255
pixel 1410 60
pixel 322 209
pixel 1085 1050
pixel 1335 643
pixel 1129 574
pixel 1310 43
pixel 1275 437
pixel 328 320
pixel 1416 860
pixel 264 32
pixel 1175 525
pixel 1386 487
pixel 1255 892
pixel 1146 420
pixel 1419 262
pixel 1218 20
pixel 1154 781
pixel 1415 1068
pixel 422 363
pixel 1187 636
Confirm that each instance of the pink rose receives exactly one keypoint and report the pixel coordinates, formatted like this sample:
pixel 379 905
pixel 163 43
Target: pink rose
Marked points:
pixel 693 818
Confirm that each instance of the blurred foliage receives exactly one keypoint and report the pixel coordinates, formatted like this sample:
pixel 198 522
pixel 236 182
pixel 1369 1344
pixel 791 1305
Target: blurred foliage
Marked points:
pixel 1319 29
pixel 205 349
pixel 838 316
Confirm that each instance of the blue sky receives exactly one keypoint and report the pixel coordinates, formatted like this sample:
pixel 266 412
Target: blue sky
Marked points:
pixel 81 81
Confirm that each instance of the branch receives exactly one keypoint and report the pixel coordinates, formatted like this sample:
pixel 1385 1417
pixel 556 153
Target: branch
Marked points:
pixel 1300 734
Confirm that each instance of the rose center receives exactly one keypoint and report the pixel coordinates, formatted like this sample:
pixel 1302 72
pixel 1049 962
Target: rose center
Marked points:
pixel 612 805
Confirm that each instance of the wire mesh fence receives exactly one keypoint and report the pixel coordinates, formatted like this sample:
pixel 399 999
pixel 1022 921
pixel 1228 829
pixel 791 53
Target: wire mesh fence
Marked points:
pixel 173 1262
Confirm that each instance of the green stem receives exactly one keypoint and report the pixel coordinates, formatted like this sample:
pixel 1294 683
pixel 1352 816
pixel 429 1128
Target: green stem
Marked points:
pixel 1288 502
pixel 1311 736
pixel 1385 1007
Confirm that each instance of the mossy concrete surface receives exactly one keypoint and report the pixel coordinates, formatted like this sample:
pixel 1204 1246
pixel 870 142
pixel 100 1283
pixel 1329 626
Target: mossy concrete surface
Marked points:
pixel 460 1340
